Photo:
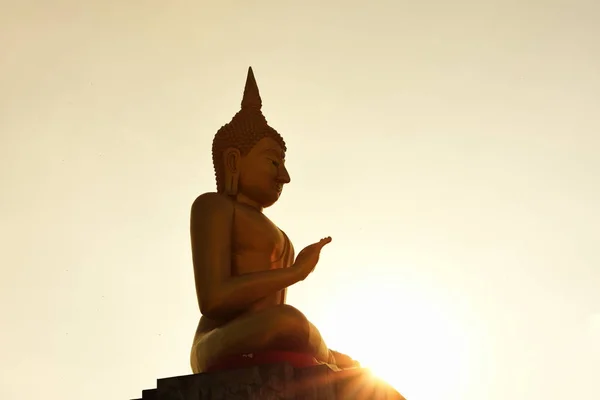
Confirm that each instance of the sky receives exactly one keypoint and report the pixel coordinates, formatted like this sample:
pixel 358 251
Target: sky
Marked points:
pixel 449 148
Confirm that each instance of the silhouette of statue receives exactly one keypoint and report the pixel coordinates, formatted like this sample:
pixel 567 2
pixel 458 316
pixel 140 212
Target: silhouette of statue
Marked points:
pixel 243 263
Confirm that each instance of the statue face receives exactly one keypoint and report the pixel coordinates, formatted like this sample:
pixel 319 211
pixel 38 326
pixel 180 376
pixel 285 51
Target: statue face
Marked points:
pixel 262 173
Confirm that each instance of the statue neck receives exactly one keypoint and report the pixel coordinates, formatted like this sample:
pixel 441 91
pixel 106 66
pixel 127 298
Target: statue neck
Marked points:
pixel 243 199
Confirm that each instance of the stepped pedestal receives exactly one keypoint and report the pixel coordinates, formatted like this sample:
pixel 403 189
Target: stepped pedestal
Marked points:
pixel 275 382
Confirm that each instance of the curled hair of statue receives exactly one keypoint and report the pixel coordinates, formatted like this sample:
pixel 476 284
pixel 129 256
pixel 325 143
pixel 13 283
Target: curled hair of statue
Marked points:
pixel 247 127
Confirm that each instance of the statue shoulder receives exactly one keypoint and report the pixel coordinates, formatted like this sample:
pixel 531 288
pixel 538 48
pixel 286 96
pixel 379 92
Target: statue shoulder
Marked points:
pixel 212 204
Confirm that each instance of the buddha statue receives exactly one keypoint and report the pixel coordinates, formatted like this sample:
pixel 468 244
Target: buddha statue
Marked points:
pixel 243 263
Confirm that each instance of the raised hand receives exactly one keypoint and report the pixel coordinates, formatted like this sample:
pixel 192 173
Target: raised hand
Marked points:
pixel 307 259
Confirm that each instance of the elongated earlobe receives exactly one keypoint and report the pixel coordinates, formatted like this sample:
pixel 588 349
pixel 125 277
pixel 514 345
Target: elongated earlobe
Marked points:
pixel 231 184
pixel 232 171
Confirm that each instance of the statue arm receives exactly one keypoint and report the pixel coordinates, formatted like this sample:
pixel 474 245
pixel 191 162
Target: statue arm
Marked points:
pixel 219 293
pixel 289 262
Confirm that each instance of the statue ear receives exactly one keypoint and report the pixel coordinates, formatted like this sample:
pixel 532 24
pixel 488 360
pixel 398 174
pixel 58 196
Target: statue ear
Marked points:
pixel 232 158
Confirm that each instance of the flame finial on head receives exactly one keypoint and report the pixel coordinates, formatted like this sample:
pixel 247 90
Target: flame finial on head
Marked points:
pixel 251 97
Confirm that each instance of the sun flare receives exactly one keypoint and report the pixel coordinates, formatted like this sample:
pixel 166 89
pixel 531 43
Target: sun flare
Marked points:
pixel 416 347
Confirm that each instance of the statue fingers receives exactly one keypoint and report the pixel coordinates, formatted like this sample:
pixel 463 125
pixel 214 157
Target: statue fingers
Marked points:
pixel 324 241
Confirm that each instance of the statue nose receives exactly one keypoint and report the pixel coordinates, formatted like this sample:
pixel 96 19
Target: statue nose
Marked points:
pixel 284 176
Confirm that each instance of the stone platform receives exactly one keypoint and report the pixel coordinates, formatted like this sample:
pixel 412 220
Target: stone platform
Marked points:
pixel 275 382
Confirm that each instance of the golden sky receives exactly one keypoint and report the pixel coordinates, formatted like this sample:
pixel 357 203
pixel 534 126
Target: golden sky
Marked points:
pixel 451 149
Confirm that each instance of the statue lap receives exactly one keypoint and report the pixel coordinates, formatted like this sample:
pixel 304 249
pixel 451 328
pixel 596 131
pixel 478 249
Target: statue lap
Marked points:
pixel 274 331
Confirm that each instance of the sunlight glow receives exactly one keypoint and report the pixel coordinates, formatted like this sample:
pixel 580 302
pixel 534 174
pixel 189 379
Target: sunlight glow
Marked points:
pixel 403 339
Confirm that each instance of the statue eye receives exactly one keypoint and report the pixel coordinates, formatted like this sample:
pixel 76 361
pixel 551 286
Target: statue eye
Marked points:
pixel 275 163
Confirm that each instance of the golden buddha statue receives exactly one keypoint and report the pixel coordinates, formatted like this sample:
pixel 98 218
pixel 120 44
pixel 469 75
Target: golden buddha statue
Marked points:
pixel 243 263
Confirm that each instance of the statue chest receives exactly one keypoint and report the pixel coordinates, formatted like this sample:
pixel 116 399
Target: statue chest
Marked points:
pixel 258 244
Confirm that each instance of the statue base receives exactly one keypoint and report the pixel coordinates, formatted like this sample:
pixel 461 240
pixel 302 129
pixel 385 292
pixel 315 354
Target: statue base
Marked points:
pixel 275 382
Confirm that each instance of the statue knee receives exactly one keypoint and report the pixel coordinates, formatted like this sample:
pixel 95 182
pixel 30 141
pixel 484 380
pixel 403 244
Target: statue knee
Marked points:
pixel 291 316
pixel 291 322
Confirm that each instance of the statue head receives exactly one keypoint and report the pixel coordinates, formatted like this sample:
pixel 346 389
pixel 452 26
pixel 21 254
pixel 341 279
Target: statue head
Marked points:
pixel 249 155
